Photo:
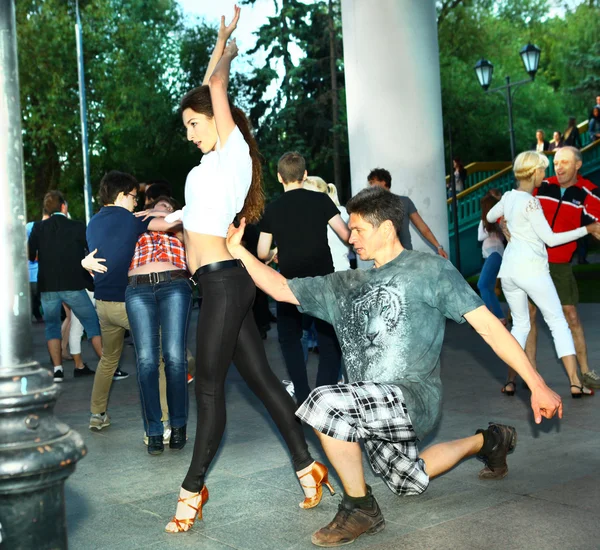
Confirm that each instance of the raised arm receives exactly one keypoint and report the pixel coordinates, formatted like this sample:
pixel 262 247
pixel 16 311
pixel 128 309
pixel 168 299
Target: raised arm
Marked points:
pixel 542 229
pixel 265 278
pixel 225 31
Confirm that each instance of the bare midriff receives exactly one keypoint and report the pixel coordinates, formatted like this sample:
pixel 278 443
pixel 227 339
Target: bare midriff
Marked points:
pixel 204 249
pixel 152 267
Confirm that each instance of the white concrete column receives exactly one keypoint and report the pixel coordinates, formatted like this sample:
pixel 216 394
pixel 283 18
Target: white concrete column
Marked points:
pixel 393 94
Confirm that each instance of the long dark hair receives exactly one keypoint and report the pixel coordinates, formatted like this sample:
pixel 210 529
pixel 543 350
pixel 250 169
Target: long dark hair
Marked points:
pixel 488 201
pixel 198 100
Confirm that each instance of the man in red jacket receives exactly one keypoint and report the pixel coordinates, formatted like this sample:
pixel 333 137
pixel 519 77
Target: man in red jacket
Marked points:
pixel 569 201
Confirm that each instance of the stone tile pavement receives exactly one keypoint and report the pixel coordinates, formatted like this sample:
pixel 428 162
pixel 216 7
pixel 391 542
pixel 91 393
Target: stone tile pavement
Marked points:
pixel 120 497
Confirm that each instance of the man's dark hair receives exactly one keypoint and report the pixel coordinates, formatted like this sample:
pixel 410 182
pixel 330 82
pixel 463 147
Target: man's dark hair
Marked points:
pixel 157 188
pixel 53 201
pixel 115 182
pixel 291 167
pixel 376 205
pixel 381 174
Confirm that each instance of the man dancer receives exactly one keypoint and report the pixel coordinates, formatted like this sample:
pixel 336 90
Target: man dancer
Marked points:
pixel 298 221
pixel 390 321
pixel 112 234
pixel 379 177
pixel 569 201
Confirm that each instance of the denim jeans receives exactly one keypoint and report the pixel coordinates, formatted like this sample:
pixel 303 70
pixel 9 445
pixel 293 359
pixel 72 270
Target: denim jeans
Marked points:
pixel 487 284
pixel 79 302
pixel 289 327
pixel 159 316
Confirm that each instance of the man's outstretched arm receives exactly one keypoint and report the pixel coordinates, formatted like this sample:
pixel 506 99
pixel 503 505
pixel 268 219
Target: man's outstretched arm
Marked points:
pixel 265 278
pixel 544 401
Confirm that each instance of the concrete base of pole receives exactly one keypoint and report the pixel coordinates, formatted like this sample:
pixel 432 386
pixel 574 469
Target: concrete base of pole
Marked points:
pixel 37 454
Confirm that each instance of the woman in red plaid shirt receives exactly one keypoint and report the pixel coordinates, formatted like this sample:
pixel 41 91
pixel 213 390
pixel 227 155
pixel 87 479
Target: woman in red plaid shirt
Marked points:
pixel 159 301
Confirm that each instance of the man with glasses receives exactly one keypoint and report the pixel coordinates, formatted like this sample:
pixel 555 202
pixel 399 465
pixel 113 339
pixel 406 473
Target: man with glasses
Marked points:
pixel 112 235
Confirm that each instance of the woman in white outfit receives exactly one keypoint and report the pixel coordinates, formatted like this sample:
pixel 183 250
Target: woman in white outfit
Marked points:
pixel 524 271
pixel 339 249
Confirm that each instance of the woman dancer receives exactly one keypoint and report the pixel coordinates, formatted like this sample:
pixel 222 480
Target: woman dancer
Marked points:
pixel 524 271
pixel 492 248
pixel 227 182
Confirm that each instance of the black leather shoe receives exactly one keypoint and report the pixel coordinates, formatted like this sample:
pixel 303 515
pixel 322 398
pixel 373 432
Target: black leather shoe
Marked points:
pixel 178 438
pixel 155 445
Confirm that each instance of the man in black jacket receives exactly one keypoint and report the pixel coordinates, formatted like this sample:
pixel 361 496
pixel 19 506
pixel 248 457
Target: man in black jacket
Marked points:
pixel 60 244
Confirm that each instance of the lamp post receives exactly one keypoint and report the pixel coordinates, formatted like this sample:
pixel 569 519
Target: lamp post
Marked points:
pixel 37 452
pixel 484 69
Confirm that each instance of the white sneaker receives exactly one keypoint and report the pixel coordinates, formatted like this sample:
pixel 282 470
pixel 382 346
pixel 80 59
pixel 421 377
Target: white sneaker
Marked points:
pixel 166 433
pixel 99 421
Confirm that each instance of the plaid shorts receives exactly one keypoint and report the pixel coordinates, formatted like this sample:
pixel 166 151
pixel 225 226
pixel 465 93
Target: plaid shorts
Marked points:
pixel 375 413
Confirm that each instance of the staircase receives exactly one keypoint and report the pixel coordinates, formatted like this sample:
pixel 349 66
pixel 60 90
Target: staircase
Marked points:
pixel 483 176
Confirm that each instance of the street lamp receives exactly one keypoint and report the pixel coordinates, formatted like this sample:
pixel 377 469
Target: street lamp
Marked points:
pixel 484 69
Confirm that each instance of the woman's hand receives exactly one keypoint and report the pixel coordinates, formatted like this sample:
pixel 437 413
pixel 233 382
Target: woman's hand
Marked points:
pixel 231 49
pixel 234 237
pixel 93 264
pixel 151 214
pixel 226 31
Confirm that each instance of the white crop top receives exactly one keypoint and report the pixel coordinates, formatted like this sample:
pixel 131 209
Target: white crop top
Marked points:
pixel 216 189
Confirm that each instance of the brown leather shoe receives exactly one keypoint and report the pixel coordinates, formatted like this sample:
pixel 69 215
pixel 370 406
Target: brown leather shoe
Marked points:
pixel 348 524
pixel 505 441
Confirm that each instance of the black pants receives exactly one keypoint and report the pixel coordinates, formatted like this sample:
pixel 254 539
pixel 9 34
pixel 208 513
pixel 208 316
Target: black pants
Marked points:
pixel 289 328
pixel 36 303
pixel 227 332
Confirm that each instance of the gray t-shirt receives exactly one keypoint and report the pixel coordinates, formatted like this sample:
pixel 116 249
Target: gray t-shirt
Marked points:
pixel 390 323
pixel 409 208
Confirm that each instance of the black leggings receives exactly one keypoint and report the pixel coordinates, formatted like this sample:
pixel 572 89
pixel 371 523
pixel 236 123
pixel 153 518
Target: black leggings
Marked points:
pixel 227 332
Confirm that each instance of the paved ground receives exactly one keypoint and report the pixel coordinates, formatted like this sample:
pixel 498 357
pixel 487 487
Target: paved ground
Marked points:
pixel 120 497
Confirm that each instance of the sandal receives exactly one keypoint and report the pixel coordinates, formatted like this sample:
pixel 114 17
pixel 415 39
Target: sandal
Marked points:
pixel 183 525
pixel 582 392
pixel 509 392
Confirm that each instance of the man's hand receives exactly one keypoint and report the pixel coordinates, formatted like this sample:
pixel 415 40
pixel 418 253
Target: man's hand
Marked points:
pixel 225 31
pixel 234 237
pixel 504 228
pixel 546 403
pixel 92 264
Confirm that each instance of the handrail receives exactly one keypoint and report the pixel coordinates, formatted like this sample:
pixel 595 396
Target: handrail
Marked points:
pixel 479 185
pixel 482 167
pixel 484 182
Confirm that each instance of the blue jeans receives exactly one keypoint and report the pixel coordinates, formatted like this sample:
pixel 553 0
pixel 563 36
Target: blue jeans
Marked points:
pixel 82 307
pixel 487 283
pixel 159 316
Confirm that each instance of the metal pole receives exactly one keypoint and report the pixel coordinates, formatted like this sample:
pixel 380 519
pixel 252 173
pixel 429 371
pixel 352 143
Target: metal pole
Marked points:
pixel 454 201
pixel 511 127
pixel 87 186
pixel 37 453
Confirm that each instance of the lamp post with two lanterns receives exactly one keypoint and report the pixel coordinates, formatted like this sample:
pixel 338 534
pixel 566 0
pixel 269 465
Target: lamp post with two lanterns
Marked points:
pixel 484 70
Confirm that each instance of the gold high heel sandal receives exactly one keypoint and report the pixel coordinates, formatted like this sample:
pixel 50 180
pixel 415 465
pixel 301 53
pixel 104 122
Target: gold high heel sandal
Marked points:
pixel 184 525
pixel 320 474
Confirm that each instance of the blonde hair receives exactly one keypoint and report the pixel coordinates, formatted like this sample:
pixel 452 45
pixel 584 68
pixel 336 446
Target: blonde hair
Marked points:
pixel 315 183
pixel 527 163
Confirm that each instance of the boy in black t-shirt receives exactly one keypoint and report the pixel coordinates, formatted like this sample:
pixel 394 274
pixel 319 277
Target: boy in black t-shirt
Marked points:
pixel 297 221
